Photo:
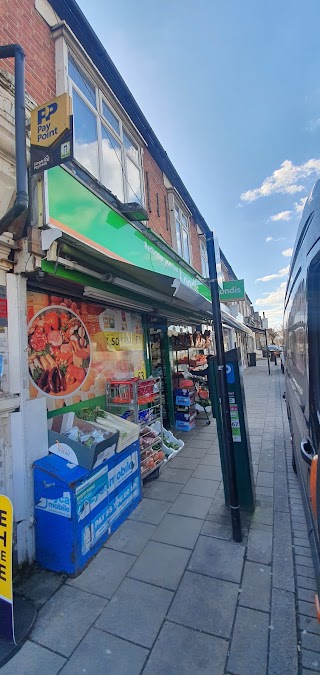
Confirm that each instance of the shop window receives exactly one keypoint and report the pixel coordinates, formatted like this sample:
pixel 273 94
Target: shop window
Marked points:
pixel 204 258
pixel 182 233
pixel 102 144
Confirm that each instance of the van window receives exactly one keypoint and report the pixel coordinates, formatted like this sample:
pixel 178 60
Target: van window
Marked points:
pixel 314 343
pixel 296 345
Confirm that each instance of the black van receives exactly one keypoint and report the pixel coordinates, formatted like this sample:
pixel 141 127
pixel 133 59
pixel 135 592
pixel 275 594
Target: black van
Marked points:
pixel 302 365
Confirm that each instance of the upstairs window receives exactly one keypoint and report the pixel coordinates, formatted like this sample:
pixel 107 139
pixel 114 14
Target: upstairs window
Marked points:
pixel 182 233
pixel 204 258
pixel 102 144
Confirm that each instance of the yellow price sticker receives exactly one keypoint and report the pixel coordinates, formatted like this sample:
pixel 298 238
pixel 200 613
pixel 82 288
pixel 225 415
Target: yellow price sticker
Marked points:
pixel 6 518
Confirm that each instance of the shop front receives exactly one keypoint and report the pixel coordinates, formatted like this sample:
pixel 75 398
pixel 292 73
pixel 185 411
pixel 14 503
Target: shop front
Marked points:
pixel 101 358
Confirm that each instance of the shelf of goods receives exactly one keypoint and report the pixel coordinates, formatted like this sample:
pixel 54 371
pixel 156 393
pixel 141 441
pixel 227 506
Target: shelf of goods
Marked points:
pixel 140 401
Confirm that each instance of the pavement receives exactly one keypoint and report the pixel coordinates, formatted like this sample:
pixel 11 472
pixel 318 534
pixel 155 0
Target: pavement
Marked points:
pixel 171 593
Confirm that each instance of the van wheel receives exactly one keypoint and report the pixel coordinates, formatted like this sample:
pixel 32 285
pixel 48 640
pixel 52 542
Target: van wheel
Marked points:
pixel 293 460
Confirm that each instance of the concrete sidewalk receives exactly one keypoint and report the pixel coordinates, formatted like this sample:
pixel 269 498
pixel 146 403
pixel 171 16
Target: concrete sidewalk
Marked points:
pixel 171 593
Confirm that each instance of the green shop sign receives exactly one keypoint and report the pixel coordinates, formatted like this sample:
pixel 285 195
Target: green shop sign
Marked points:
pixel 232 290
pixel 75 210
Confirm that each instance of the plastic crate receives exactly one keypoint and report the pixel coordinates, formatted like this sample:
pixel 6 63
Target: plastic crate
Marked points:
pixel 184 426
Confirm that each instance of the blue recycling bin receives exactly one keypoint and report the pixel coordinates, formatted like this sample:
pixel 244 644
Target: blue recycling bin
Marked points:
pixel 76 510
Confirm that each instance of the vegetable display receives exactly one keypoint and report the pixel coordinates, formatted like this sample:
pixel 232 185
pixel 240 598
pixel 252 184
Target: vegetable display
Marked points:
pixel 58 351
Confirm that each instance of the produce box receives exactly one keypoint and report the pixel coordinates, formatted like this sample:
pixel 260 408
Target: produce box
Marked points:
pixel 80 442
pixel 185 400
pixel 184 426
pixel 128 431
pixel 184 391
pixel 185 417
pixel 171 445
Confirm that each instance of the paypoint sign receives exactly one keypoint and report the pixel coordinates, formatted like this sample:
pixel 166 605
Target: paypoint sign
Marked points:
pixel 232 290
pixel 51 134
pixel 6 598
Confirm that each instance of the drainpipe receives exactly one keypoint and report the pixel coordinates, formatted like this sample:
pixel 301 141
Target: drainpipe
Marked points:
pixel 21 203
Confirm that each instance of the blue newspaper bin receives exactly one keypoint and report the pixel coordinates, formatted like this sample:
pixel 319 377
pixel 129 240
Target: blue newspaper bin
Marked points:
pixel 76 510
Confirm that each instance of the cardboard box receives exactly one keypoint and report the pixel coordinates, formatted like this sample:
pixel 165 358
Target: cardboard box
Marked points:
pixel 75 452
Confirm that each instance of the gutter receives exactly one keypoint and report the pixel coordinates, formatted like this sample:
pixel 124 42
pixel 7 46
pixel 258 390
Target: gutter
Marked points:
pixel 21 203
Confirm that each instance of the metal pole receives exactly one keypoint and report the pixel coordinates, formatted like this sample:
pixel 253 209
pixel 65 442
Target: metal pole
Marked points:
pixel 223 391
pixel 265 332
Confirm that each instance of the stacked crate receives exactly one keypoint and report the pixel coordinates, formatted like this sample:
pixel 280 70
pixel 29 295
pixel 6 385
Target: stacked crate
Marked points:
pixel 184 408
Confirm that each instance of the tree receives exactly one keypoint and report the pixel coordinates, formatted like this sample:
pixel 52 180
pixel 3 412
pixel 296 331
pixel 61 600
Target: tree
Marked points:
pixel 276 335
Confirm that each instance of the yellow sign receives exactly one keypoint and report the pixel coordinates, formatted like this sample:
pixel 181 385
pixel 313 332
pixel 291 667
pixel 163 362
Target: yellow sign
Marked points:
pixel 50 121
pixel 6 598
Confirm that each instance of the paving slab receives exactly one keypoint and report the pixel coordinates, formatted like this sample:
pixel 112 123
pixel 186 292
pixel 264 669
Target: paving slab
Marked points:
pixel 105 573
pixel 65 619
pixel 32 659
pixel 310 660
pixel 197 453
pixel 208 472
pixel 136 612
pixel 211 528
pixel 185 462
pixel 217 558
pixel 256 586
pixel 211 460
pixel 131 537
pixel 205 604
pixel 150 511
pixel 100 653
pixel 178 531
pixel 161 564
pixel 182 651
pixel 283 656
pixel 172 475
pixel 164 491
pixel 249 647
pixel 191 505
pixel 201 487
pixel 260 546
pixel 40 586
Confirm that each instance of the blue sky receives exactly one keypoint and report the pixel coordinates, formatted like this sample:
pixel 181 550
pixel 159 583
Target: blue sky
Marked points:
pixel 232 90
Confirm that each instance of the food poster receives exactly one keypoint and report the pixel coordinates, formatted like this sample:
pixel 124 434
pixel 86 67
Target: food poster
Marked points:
pixel 74 347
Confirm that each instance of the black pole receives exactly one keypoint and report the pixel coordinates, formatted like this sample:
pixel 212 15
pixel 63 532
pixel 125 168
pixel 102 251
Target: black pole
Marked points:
pixel 21 203
pixel 223 391
pixel 265 332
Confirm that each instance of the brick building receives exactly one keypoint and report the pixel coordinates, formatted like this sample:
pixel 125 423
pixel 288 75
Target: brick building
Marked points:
pixel 117 160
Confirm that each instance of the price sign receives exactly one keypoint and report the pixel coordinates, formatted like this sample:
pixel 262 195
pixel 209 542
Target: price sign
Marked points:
pixel 113 341
pixel 125 341
pixel 137 343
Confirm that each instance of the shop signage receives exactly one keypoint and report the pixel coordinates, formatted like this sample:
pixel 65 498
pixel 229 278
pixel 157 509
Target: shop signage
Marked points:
pixel 6 596
pixel 51 134
pixel 3 307
pixel 232 290
pixel 104 230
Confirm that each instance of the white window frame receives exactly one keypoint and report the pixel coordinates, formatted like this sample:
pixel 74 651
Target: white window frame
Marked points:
pixel 180 247
pixel 204 257
pixel 119 138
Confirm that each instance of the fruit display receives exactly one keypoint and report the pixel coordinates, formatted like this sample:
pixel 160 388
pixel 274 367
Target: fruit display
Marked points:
pixel 59 352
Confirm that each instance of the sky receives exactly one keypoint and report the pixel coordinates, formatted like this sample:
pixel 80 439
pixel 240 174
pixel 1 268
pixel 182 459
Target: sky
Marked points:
pixel 232 90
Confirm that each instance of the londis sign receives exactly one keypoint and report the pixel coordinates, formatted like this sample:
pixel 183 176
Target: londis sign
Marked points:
pixel 232 290
pixel 6 598
pixel 51 134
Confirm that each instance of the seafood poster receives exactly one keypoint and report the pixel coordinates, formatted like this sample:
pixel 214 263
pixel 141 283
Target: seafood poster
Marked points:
pixel 74 347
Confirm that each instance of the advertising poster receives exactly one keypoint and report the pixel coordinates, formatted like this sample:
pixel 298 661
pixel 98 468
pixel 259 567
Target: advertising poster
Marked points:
pixel 6 594
pixel 74 347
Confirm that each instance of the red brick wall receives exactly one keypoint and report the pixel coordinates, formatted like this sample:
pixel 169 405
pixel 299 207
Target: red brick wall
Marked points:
pixel 21 23
pixel 159 216
pixel 195 246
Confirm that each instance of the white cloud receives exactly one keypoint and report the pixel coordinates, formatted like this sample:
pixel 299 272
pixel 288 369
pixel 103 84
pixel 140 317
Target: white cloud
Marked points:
pixel 313 125
pixel 287 252
pixel 272 303
pixel 277 275
pixel 284 180
pixel 283 215
pixel 268 239
pixel 299 206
